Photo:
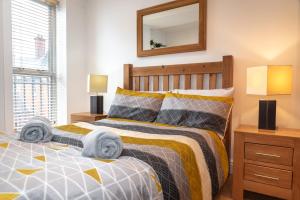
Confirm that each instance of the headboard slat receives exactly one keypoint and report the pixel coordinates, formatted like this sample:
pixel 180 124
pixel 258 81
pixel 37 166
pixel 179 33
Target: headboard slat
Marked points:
pixel 166 83
pixel 137 83
pixel 155 83
pixel 187 82
pixel 146 83
pixel 200 81
pixel 176 81
pixel 212 81
pixel 128 76
pixel 227 71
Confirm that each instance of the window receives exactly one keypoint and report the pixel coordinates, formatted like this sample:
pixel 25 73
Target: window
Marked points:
pixel 34 70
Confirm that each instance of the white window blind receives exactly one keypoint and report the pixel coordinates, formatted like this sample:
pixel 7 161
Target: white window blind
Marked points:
pixel 33 51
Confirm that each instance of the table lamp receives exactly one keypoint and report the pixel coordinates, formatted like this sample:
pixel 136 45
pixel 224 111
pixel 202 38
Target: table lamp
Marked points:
pixel 267 81
pixel 97 84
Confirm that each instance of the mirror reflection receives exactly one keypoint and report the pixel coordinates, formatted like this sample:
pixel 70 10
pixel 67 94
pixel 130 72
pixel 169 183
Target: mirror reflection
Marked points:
pixel 175 27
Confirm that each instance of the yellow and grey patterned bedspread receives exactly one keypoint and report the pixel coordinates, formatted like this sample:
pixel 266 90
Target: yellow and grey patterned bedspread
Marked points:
pixel 190 163
pixel 158 162
pixel 58 171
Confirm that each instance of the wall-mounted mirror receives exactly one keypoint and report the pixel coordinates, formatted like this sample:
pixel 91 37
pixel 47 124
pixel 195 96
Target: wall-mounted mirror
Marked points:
pixel 174 27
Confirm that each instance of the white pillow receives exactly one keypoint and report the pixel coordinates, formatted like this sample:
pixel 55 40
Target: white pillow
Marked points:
pixel 215 92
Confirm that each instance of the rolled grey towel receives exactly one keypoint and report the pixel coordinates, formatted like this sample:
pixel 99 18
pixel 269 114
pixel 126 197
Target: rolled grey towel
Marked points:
pixel 38 129
pixel 102 144
pixel 43 119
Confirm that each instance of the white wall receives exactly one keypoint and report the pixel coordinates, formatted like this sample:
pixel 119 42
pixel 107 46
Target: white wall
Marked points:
pixel 77 71
pixel 5 67
pixel 61 71
pixel 2 107
pixel 255 32
pixel 71 62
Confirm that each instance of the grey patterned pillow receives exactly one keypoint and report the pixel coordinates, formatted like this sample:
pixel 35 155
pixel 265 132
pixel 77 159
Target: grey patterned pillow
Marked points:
pixel 205 112
pixel 141 106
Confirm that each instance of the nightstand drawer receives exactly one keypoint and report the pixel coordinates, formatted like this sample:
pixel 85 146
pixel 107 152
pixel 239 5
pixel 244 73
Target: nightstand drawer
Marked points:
pixel 270 176
pixel 271 154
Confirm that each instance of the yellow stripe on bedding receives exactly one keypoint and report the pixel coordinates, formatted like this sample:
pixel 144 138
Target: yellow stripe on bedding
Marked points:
pixel 222 152
pixel 227 100
pixel 141 122
pixel 139 94
pixel 187 157
pixel 74 129
pixel 8 196
pixel 183 150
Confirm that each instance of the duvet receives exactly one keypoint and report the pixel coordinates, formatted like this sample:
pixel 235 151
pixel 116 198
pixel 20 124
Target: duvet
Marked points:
pixel 58 171
pixel 158 162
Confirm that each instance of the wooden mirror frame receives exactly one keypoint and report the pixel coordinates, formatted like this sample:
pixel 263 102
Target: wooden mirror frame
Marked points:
pixel 201 45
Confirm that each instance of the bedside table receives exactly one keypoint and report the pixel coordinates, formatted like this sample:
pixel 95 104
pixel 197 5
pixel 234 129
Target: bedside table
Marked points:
pixel 266 162
pixel 86 117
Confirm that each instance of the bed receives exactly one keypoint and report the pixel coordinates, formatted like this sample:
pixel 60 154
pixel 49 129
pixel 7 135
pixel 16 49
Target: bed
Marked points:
pixel 159 161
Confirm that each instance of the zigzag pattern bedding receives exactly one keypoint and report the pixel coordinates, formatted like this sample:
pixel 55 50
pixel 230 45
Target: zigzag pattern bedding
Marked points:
pixel 190 163
pixel 57 171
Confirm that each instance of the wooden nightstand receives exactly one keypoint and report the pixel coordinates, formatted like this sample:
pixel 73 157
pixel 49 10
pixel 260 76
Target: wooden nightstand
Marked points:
pixel 86 117
pixel 266 162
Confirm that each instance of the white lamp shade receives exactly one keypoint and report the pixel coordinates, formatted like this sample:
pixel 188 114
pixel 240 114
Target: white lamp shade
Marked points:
pixel 97 83
pixel 269 80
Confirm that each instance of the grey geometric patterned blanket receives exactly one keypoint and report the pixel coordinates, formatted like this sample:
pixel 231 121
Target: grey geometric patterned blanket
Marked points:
pixel 57 171
pixel 190 163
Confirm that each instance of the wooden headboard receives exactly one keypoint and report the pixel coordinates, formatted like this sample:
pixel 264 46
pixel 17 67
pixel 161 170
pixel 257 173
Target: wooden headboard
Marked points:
pixel 133 77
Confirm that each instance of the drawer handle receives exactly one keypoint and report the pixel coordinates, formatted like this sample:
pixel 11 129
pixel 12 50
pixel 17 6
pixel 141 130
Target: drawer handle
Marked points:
pixel 267 154
pixel 267 177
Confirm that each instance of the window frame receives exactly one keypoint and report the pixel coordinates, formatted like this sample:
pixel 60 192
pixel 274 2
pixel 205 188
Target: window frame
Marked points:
pixel 52 49
pixel 52 60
